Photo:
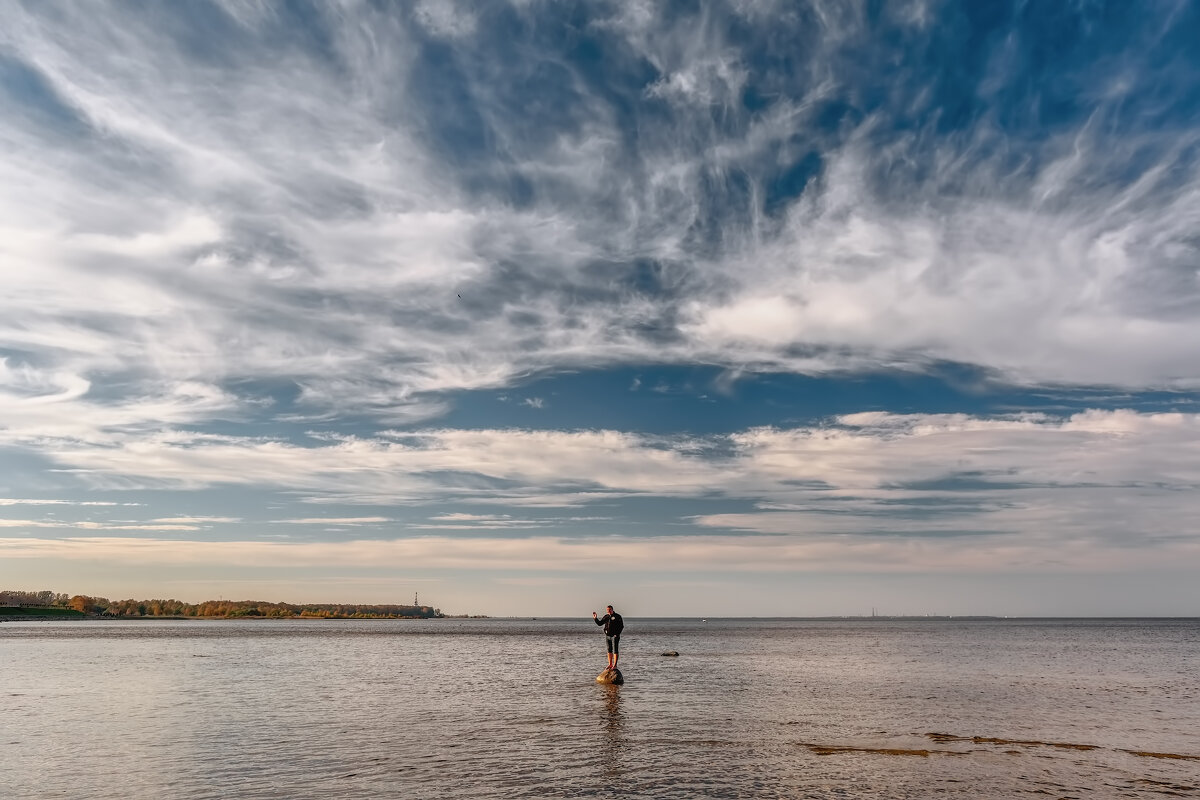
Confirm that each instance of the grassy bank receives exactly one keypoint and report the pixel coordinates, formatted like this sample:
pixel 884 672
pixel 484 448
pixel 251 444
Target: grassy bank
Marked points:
pixel 40 613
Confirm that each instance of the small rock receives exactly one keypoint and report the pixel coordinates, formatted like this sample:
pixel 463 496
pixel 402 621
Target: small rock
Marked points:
pixel 612 676
pixel 671 653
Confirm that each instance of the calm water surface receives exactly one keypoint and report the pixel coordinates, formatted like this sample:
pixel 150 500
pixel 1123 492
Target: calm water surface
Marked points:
pixel 509 708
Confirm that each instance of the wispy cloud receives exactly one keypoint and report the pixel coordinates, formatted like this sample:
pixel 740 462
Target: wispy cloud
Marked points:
pixel 95 526
pixel 1100 475
pixel 558 556
pixel 484 522
pixel 344 253
pixel 332 521
pixel 12 501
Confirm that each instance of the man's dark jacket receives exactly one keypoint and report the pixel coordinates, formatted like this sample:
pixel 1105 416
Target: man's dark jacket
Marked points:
pixel 613 624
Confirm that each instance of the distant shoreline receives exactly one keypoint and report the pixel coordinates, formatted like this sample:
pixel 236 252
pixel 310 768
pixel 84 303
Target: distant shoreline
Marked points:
pixel 27 616
pixel 47 603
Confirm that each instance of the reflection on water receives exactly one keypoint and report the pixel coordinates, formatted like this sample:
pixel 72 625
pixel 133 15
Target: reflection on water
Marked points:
pixel 192 710
pixel 614 734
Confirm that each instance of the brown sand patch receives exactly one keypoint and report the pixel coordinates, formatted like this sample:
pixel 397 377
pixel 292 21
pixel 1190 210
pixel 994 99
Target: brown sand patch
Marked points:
pixel 1148 754
pixel 946 737
pixel 831 749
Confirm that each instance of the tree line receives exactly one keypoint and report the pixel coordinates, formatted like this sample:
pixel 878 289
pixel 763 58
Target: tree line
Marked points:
pixel 102 606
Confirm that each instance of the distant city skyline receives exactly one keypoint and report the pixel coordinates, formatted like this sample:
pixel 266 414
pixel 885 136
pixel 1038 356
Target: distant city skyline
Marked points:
pixel 712 309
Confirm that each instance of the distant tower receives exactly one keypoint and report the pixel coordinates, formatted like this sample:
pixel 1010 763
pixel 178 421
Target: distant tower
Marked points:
pixel 416 602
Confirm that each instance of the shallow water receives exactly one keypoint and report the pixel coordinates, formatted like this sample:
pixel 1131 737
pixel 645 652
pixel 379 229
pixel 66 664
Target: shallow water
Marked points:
pixel 509 708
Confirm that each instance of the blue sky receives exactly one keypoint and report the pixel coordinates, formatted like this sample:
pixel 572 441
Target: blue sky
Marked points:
pixel 695 308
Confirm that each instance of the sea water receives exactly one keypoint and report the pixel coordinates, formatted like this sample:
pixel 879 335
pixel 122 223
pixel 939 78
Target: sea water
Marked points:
pixel 500 708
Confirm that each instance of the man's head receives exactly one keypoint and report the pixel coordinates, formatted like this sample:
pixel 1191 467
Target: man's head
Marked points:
pixel 610 609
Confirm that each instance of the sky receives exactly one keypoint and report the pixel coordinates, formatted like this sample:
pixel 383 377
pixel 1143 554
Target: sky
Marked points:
pixel 741 309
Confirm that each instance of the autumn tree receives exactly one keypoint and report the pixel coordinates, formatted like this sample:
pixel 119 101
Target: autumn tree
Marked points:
pixel 81 603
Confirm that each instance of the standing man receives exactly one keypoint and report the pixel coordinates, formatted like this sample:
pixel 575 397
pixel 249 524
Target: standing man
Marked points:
pixel 613 625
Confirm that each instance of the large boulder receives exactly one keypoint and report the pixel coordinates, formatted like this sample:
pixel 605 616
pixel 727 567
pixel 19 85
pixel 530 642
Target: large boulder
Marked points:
pixel 612 676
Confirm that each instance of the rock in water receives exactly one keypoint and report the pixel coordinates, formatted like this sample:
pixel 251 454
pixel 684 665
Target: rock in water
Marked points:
pixel 671 653
pixel 612 676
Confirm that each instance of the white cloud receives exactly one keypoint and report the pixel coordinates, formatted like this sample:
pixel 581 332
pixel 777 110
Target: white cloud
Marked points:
pixel 859 452
pixel 15 501
pixel 1101 478
pixel 1038 294
pixel 460 517
pixel 560 556
pixel 95 526
pixel 484 522
pixel 445 18
pixel 703 81
pixel 332 521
